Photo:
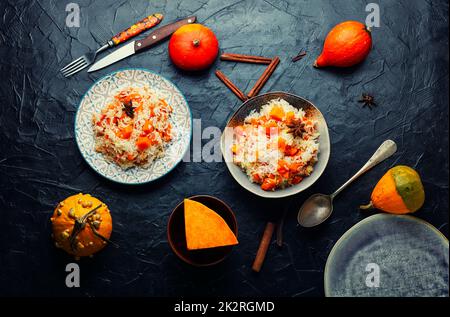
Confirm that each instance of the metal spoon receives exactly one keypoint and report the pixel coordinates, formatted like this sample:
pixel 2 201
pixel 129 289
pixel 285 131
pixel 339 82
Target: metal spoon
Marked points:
pixel 317 208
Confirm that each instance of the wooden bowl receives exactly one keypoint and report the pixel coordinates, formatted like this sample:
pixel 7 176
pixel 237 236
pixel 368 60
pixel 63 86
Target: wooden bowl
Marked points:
pixel 176 234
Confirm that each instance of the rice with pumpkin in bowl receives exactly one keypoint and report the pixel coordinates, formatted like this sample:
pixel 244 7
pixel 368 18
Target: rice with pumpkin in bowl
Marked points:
pixel 276 144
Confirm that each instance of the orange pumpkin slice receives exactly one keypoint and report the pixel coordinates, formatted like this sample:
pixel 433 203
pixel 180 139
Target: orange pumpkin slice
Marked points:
pixel 205 228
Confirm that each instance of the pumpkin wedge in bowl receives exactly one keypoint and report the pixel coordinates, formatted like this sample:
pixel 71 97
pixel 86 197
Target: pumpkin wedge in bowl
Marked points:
pixel 202 230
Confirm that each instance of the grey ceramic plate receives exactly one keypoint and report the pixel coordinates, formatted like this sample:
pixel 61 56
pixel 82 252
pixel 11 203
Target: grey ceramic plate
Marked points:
pixel 410 254
pixel 324 143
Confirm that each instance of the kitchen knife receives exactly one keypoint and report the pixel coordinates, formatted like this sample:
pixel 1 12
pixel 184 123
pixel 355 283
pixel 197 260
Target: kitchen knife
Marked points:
pixel 139 45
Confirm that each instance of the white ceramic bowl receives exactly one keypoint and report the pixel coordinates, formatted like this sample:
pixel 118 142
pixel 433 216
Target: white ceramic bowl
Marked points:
pixel 324 144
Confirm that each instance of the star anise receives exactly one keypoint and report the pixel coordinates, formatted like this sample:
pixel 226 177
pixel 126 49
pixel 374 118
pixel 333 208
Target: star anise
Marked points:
pixel 368 100
pixel 296 127
pixel 128 108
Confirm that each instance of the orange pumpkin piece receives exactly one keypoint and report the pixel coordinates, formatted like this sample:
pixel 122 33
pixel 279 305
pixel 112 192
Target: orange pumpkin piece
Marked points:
pixel 296 180
pixel 126 132
pixel 256 178
pixel 281 144
pixel 269 183
pixel 147 127
pixel 277 113
pixel 283 169
pixel 143 143
pixel 294 167
pixel 290 150
pixel 271 127
pixel 90 237
pixel 205 228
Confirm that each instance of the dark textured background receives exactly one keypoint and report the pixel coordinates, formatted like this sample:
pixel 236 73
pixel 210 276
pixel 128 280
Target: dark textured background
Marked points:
pixel 40 164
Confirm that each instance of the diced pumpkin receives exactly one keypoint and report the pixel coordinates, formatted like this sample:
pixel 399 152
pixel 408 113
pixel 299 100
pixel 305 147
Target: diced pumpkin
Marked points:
pixel 126 132
pixel 147 127
pixel 290 116
pixel 296 179
pixel 277 113
pixel 256 178
pixel 270 127
pixel 294 167
pixel 281 144
pixel 269 184
pixel 290 150
pixel 283 169
pixel 143 143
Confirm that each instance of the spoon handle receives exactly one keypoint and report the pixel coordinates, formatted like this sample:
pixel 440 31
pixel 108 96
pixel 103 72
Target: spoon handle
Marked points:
pixel 384 151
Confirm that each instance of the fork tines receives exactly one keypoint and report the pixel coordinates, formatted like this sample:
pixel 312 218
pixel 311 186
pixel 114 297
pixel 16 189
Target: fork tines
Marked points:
pixel 74 67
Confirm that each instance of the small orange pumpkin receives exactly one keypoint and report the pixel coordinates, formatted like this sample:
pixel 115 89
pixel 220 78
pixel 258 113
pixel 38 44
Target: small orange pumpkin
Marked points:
pixel 81 225
pixel 193 47
pixel 347 44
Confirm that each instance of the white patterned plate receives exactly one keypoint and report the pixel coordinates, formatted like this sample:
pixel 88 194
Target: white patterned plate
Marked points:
pixel 101 93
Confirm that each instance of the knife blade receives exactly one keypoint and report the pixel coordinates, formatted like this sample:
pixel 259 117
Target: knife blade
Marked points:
pixel 139 45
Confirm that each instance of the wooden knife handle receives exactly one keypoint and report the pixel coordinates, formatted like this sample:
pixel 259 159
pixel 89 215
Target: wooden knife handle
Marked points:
pixel 161 34
pixel 137 28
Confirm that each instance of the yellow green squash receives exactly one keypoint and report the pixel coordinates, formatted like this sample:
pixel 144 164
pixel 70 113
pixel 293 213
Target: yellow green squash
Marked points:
pixel 399 191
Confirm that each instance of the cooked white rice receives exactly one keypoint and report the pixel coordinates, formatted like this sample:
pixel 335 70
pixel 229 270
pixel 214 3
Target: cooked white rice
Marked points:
pixel 260 154
pixel 136 137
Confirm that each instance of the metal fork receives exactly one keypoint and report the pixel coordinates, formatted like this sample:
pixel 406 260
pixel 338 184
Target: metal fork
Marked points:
pixel 82 62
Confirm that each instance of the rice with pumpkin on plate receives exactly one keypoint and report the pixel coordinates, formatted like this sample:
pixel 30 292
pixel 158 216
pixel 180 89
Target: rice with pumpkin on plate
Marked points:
pixel 276 147
pixel 134 128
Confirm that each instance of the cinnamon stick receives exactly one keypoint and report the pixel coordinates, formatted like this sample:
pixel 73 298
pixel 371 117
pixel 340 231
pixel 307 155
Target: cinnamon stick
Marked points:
pixel 299 56
pixel 263 246
pixel 264 77
pixel 231 86
pixel 245 58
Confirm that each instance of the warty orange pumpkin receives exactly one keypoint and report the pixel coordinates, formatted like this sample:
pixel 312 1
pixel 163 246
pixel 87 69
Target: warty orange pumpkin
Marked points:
pixel 81 225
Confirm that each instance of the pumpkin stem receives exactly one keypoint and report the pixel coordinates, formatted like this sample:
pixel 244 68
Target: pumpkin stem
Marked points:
pixel 196 42
pixel 366 207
